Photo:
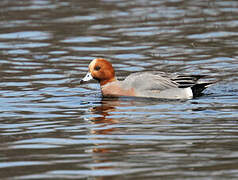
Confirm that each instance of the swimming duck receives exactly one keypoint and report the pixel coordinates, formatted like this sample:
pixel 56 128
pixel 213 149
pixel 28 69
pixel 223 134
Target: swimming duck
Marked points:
pixel 144 84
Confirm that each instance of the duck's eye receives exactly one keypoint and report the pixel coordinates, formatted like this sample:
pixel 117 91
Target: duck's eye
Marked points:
pixel 97 68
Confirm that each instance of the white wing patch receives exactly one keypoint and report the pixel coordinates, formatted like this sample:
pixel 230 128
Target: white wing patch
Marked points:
pixel 189 92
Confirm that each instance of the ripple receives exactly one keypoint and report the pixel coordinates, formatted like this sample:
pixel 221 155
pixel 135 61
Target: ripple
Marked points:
pixel 22 45
pixel 85 39
pixel 21 163
pixel 212 35
pixel 19 51
pixel 29 35
pixel 75 19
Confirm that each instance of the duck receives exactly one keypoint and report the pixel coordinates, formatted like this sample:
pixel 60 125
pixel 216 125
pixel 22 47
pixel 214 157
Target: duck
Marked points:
pixel 144 84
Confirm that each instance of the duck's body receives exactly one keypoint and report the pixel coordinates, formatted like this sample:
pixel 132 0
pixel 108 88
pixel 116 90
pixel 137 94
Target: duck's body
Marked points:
pixel 145 84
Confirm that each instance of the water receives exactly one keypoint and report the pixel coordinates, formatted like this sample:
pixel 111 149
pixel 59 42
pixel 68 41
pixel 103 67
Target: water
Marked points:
pixel 51 128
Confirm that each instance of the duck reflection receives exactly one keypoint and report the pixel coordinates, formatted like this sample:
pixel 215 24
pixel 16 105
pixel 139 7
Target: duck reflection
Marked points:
pixel 105 110
pixel 107 119
pixel 107 126
pixel 106 115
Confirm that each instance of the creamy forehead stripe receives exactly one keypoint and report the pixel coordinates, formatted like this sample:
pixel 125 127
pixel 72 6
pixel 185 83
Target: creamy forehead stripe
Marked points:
pixel 92 64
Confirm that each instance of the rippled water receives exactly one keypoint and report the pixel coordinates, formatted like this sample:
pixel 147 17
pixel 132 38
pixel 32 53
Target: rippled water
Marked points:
pixel 53 128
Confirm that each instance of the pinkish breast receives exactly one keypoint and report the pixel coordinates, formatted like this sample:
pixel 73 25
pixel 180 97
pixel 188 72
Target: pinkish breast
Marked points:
pixel 114 89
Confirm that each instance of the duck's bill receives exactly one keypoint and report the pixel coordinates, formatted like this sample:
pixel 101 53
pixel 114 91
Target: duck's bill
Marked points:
pixel 88 77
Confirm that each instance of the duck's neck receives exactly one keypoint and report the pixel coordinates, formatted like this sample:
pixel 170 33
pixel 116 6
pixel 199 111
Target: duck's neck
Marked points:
pixel 104 82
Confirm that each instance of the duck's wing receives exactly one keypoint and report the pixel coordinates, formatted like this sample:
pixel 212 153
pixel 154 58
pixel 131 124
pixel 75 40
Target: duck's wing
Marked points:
pixel 185 81
pixel 150 81
pixel 166 85
pixel 159 80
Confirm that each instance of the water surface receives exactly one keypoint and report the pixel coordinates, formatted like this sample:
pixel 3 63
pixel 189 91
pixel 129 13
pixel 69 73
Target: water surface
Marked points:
pixel 53 128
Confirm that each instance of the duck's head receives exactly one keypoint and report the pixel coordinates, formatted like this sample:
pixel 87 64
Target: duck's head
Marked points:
pixel 101 70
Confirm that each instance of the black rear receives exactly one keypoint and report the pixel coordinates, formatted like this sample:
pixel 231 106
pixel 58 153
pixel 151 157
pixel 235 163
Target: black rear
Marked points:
pixel 191 81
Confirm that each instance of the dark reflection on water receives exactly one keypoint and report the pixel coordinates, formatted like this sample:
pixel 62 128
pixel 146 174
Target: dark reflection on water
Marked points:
pixel 53 128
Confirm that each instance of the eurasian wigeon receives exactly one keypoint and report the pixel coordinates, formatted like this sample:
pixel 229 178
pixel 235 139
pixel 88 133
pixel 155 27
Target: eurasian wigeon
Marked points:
pixel 144 84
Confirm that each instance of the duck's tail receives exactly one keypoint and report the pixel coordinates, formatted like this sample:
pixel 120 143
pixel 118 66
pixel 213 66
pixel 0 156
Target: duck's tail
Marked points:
pixel 198 88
